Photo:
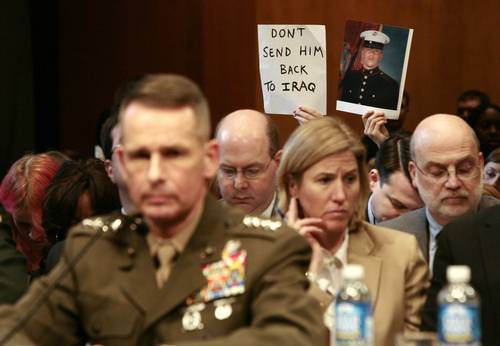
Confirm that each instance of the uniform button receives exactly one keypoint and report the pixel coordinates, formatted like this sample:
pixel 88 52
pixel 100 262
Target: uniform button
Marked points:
pixel 366 77
pixel 207 252
pixel 131 251
pixel 373 95
pixel 364 83
pixel 362 89
pixel 360 96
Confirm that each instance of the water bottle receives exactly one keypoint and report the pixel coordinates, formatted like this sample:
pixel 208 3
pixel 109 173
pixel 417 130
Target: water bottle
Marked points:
pixel 458 315
pixel 353 310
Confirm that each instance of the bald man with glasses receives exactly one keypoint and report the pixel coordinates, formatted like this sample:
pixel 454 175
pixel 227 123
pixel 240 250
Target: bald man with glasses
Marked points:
pixel 446 167
pixel 249 157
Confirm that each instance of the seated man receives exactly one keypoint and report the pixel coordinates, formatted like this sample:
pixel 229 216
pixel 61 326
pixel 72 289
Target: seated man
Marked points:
pixel 446 167
pixel 392 192
pixel 249 157
pixel 189 271
pixel 473 241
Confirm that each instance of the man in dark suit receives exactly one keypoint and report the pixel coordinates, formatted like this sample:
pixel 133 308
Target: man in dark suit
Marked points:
pixel 473 241
pixel 188 271
pixel 371 86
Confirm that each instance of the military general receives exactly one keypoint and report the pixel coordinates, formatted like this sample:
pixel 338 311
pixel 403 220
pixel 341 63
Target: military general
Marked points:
pixel 187 270
pixel 371 86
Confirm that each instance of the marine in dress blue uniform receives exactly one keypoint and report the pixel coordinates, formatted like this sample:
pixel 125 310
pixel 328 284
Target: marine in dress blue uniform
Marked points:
pixel 371 86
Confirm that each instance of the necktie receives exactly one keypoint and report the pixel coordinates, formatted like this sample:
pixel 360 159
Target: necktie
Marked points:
pixel 165 254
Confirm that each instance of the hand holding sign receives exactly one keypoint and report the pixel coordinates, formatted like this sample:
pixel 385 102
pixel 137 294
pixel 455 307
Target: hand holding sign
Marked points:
pixel 292 62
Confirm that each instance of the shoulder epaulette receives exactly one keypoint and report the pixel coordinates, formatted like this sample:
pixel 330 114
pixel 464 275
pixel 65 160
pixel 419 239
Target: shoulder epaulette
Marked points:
pixel 254 222
pixel 100 224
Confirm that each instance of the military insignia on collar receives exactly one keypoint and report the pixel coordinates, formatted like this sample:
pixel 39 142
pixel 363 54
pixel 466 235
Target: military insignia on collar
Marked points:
pixel 257 222
pixel 225 278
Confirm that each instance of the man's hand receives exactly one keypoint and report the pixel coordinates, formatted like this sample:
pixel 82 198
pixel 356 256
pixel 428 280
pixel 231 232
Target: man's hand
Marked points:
pixel 304 114
pixel 374 123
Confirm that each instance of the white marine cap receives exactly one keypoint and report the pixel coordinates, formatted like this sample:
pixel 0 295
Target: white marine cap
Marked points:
pixel 374 39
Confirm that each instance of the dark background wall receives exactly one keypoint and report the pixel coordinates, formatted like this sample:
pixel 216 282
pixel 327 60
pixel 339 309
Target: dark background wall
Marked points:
pixel 61 61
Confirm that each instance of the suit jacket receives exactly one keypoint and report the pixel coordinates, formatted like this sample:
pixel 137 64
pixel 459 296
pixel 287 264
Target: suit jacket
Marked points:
pixel 14 278
pixel 473 241
pixel 396 275
pixel 110 297
pixel 415 222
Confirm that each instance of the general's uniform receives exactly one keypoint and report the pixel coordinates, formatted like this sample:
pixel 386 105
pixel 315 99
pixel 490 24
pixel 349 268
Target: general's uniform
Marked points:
pixel 239 281
pixel 370 88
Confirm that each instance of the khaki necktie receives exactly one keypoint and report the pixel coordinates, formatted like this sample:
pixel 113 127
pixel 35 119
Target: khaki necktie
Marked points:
pixel 165 254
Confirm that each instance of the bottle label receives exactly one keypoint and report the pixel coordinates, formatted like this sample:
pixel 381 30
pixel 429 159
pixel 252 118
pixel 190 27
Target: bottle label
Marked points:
pixel 459 323
pixel 353 323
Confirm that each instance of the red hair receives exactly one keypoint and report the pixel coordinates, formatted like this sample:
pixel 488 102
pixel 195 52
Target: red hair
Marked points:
pixel 22 190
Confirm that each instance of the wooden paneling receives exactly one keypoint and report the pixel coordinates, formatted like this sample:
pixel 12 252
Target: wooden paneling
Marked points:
pixel 101 43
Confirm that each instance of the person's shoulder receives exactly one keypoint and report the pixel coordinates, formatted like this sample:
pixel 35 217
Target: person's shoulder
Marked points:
pixel 402 222
pixel 384 76
pixel 486 217
pixel 488 201
pixel 388 235
pixel 268 229
pixel 107 224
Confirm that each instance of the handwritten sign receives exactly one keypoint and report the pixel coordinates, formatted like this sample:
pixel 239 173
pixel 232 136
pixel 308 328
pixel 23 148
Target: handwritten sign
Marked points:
pixel 292 60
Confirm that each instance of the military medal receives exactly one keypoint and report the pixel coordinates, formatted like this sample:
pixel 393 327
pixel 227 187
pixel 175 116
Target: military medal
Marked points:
pixel 223 308
pixel 192 317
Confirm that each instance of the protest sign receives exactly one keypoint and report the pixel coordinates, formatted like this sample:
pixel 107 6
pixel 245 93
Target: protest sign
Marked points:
pixel 292 60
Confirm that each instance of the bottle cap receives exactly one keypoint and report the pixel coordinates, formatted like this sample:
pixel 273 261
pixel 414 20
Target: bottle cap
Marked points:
pixel 458 274
pixel 353 272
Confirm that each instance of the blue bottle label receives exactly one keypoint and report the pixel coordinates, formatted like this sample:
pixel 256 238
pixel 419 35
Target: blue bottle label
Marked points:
pixel 353 323
pixel 459 324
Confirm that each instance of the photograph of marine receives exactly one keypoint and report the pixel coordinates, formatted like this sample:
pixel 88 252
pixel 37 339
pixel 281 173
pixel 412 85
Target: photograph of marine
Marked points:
pixel 370 85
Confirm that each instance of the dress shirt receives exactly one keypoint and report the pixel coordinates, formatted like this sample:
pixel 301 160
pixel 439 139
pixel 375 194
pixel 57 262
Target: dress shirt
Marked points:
pixel 434 229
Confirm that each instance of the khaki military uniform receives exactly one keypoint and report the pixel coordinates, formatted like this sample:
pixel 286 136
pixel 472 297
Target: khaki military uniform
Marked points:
pixel 111 297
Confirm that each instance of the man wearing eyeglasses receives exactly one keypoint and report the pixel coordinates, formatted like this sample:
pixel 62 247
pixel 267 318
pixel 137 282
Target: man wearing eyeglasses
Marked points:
pixel 249 157
pixel 446 167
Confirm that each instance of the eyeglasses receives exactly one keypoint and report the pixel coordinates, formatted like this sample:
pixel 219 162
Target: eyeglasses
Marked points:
pixel 464 171
pixel 113 149
pixel 250 173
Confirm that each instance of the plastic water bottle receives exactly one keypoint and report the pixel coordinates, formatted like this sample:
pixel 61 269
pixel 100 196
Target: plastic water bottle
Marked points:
pixel 458 315
pixel 353 310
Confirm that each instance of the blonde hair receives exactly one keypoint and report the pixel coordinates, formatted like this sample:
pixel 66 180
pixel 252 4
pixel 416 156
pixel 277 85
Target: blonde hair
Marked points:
pixel 312 142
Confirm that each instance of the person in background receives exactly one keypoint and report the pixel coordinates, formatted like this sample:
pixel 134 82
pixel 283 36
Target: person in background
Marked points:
pixel 491 175
pixel 249 157
pixel 392 192
pixel 79 189
pixel 470 102
pixel 323 187
pixel 111 136
pixel 486 125
pixel 446 167
pixel 14 278
pixel 21 193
